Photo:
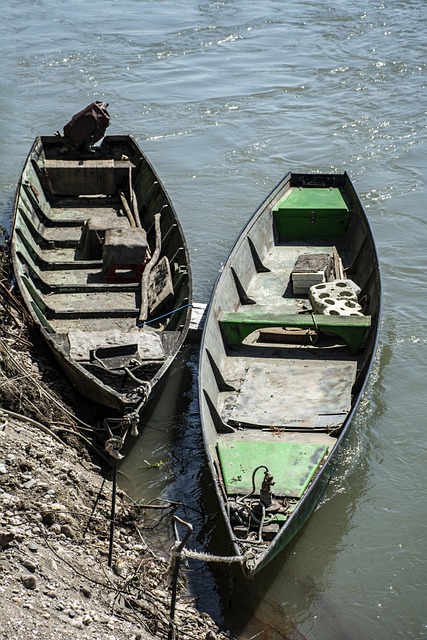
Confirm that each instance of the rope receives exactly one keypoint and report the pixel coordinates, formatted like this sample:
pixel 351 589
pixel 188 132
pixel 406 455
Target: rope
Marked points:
pixel 184 306
pixel 208 557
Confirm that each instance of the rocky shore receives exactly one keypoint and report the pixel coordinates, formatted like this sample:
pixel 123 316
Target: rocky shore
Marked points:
pixel 55 501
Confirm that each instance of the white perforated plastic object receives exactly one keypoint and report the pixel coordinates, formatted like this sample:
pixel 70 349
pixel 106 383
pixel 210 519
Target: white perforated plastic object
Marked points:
pixel 336 298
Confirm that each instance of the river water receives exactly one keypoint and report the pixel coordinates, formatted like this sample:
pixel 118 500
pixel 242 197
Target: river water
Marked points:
pixel 225 97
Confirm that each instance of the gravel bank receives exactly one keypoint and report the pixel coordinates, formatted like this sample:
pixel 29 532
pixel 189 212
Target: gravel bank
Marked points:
pixel 55 506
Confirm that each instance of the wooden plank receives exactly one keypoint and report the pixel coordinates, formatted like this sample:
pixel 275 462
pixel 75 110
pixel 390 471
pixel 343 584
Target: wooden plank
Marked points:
pixel 198 316
pixel 292 393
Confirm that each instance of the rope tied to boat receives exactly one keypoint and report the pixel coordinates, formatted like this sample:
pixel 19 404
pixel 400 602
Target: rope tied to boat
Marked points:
pixel 113 446
pixel 209 557
pixel 115 443
pixel 164 315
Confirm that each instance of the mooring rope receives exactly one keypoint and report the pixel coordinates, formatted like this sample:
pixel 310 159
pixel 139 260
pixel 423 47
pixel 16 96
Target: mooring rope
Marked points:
pixel 209 557
pixel 170 313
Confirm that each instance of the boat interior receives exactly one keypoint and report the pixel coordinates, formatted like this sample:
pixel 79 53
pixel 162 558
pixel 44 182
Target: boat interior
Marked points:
pixel 102 258
pixel 282 363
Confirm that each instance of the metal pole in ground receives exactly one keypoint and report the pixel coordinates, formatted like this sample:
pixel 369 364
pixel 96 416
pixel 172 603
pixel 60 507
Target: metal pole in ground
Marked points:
pixel 177 564
pixel 113 513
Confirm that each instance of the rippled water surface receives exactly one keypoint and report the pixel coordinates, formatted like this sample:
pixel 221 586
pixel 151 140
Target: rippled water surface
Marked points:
pixel 225 97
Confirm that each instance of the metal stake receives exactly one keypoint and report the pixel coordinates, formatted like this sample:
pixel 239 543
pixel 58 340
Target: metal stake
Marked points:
pixel 175 576
pixel 113 513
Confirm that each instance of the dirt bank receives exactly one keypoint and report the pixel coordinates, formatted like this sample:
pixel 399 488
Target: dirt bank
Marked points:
pixel 55 500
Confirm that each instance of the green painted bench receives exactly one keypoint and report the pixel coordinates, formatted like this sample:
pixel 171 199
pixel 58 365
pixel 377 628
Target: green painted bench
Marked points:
pixel 237 325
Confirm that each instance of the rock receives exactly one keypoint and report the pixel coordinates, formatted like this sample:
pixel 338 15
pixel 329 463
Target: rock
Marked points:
pixel 78 624
pixel 55 528
pixel 19 533
pixel 67 531
pixel 63 618
pixel 29 582
pixel 24 465
pixel 85 591
pixel 29 484
pixel 119 568
pixel 48 517
pixel 29 564
pixel 3 469
pixel 6 537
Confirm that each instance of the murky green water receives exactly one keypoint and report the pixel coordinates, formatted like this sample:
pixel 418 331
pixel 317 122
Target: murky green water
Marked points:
pixel 225 97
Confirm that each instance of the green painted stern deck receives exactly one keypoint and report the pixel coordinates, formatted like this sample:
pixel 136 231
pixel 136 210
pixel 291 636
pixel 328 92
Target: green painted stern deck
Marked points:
pixel 292 465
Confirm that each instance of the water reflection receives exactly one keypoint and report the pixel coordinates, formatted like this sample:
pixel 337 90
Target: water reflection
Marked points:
pixel 149 465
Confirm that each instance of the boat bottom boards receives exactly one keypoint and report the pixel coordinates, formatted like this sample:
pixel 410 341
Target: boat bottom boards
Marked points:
pixel 292 465
pixel 301 392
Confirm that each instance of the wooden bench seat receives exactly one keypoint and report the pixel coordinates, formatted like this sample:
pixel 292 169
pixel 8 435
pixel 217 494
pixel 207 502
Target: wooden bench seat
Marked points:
pixel 237 325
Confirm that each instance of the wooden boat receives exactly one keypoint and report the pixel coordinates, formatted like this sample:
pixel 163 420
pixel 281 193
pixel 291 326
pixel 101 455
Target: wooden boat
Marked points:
pixel 102 265
pixel 289 340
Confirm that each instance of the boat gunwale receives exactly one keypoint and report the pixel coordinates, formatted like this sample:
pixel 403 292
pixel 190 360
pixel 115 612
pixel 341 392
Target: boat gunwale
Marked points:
pixel 297 518
pixel 121 402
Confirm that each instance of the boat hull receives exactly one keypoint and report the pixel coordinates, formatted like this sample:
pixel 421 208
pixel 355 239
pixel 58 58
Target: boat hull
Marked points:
pixel 102 265
pixel 289 340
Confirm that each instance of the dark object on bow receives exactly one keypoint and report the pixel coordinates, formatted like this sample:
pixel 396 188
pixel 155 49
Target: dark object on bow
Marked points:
pixel 87 127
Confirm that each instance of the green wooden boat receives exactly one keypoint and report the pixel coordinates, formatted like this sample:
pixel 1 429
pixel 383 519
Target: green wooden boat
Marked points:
pixel 288 343
pixel 102 264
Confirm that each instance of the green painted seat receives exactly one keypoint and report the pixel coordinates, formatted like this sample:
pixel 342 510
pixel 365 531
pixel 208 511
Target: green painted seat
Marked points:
pixel 238 325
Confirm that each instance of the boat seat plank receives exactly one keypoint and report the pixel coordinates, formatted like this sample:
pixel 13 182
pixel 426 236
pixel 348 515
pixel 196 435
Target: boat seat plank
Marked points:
pixel 55 236
pixel 78 214
pixel 81 303
pixel 84 177
pixel 238 325
pixel 292 465
pixel 84 304
pixel 147 343
pixel 81 165
pixel 292 393
pixel 58 281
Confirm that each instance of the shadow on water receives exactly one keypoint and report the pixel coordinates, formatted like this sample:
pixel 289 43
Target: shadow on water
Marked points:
pixel 279 601
pixel 166 462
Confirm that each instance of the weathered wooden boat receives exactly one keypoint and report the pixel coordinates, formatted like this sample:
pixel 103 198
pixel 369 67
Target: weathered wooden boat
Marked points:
pixel 288 343
pixel 102 264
